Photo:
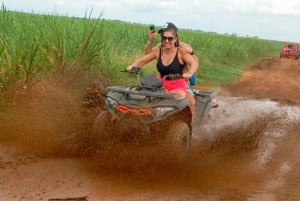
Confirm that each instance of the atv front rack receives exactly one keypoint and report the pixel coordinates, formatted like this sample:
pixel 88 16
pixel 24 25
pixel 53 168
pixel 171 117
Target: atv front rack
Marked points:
pixel 141 91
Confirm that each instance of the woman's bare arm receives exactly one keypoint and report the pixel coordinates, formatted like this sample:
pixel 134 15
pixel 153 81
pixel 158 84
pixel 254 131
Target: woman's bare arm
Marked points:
pixel 145 59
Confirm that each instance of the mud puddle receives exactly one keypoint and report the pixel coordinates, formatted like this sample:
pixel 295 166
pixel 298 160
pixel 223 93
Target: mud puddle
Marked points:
pixel 248 150
pixel 254 149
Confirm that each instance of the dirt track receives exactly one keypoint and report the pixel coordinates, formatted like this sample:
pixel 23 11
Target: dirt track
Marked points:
pixel 249 149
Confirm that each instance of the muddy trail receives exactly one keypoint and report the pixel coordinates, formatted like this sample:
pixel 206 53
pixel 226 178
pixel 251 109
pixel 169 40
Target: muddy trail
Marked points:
pixel 248 150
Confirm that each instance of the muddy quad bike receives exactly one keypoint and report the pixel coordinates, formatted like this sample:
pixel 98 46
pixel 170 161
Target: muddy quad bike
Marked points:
pixel 290 50
pixel 154 113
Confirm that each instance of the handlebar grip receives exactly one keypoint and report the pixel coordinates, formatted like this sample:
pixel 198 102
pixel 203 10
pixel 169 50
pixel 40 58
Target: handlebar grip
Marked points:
pixel 134 70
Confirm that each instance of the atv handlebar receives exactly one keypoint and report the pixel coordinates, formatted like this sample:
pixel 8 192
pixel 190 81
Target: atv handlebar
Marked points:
pixel 134 70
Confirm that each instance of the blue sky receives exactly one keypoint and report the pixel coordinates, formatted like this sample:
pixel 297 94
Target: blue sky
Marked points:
pixel 266 19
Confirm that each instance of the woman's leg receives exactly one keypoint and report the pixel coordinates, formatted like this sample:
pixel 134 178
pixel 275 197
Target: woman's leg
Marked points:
pixel 182 94
pixel 179 94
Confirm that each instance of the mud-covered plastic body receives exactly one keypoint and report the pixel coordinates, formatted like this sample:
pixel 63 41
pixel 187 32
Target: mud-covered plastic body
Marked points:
pixel 154 104
pixel 151 105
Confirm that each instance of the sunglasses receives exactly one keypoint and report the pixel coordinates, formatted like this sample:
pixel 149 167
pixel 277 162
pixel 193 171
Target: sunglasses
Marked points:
pixel 168 38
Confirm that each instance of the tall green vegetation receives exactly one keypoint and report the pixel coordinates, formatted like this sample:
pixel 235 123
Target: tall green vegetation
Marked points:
pixel 222 56
pixel 31 44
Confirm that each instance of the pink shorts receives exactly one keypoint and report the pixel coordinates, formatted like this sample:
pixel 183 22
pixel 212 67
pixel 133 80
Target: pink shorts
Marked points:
pixel 171 85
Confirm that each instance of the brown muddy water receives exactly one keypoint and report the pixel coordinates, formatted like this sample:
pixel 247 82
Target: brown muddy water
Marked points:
pixel 253 152
pixel 248 150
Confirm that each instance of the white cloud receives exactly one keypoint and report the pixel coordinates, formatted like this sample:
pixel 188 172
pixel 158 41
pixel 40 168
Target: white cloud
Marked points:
pixel 265 7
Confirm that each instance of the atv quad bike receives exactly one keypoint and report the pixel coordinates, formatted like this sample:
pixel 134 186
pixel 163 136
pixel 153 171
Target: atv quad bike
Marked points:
pixel 290 50
pixel 156 114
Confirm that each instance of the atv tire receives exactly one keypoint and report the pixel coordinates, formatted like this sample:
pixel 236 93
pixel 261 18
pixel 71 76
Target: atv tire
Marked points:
pixel 179 138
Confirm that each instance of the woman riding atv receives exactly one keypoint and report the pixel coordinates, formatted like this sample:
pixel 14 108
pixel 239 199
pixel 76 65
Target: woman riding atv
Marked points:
pixel 171 59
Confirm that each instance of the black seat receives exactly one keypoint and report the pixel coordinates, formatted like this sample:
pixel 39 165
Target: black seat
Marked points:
pixel 151 81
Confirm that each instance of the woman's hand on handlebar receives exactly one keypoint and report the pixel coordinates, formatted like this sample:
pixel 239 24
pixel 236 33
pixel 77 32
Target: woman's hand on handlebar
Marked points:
pixel 129 68
pixel 133 69
pixel 187 75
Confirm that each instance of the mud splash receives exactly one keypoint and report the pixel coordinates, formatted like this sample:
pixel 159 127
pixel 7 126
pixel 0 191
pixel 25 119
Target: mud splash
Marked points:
pixel 49 116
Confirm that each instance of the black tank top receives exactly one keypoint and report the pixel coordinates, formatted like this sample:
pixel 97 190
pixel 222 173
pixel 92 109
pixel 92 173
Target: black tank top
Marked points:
pixel 174 68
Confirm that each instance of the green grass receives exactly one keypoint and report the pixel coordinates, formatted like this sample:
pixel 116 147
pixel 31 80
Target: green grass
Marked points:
pixel 32 44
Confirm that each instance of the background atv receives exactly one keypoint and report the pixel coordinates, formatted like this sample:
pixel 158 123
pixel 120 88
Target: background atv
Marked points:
pixel 290 50
pixel 151 114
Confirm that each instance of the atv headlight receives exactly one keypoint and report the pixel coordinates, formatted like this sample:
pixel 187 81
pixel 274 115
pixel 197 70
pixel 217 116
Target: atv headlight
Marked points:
pixel 111 103
pixel 162 111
